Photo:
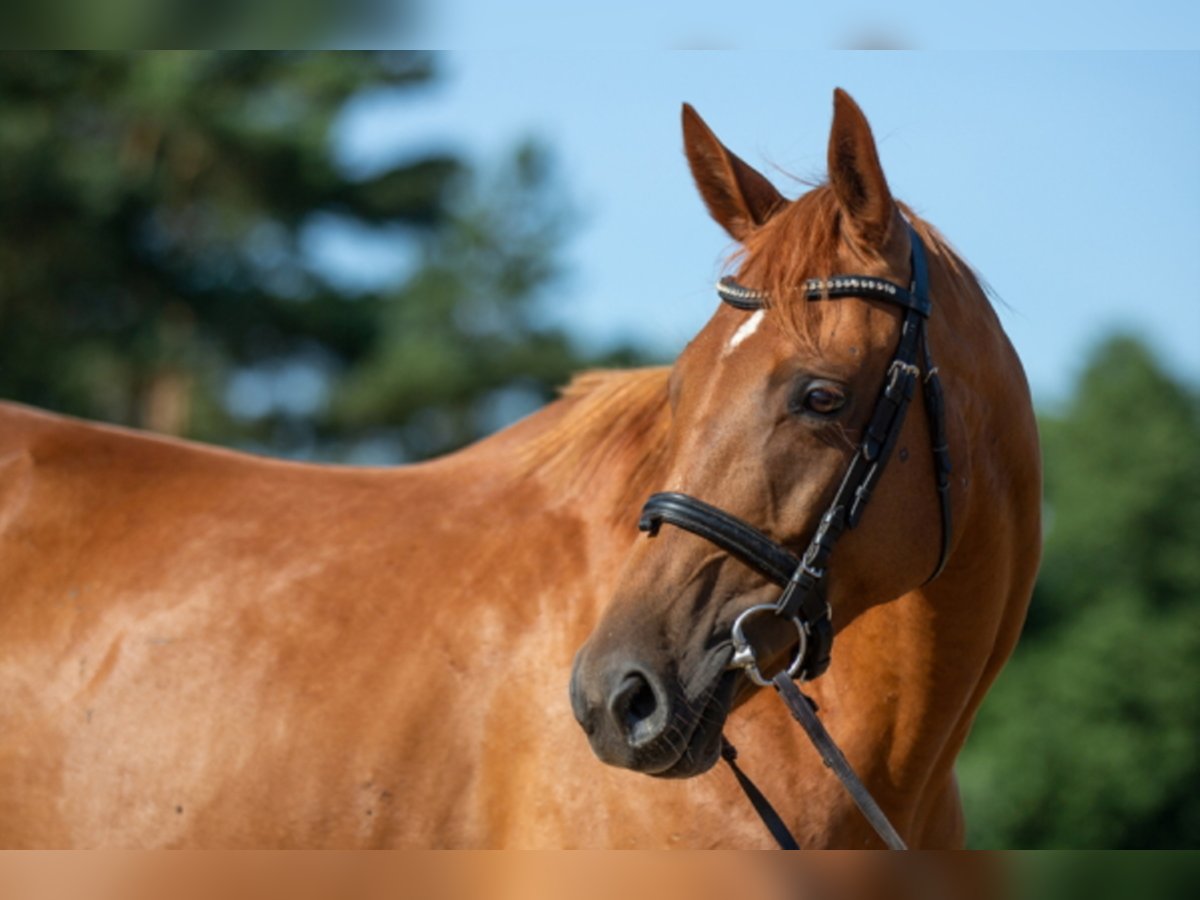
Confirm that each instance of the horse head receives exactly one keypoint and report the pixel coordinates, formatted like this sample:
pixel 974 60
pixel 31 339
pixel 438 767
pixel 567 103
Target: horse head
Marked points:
pixel 769 405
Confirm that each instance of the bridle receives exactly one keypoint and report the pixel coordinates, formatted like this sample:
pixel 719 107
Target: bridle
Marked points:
pixel 802 601
pixel 801 578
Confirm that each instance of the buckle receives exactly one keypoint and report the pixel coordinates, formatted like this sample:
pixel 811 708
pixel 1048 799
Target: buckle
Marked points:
pixel 743 651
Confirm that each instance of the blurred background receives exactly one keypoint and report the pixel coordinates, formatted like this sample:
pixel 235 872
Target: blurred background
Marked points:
pixel 377 257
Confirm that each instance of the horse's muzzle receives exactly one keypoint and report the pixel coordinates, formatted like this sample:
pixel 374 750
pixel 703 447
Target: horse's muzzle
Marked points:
pixel 636 719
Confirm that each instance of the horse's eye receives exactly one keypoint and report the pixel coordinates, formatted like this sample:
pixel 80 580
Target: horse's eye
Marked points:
pixel 821 400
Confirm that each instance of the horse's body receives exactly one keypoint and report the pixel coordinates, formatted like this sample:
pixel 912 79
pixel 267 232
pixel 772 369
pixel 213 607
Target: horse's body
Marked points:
pixel 210 649
pixel 202 648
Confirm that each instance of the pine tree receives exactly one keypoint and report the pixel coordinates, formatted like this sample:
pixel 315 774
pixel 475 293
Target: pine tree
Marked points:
pixel 157 214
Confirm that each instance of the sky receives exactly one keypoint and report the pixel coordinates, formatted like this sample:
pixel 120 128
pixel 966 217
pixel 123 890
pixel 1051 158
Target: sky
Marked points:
pixel 1069 180
pixel 797 25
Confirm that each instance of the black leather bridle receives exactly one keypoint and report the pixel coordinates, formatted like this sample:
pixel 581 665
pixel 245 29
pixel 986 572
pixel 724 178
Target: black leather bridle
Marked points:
pixel 802 601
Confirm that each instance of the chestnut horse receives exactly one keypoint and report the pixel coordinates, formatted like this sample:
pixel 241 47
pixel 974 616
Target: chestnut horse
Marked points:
pixel 208 649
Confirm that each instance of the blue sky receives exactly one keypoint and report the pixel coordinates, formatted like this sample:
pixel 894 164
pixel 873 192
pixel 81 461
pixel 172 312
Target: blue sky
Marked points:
pixel 1069 180
pixel 795 25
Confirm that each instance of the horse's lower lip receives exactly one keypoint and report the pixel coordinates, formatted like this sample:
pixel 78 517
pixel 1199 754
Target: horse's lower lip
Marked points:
pixel 703 746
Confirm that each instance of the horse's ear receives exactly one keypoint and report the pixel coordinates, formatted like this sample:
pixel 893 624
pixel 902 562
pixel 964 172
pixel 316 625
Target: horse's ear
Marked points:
pixel 737 196
pixel 856 175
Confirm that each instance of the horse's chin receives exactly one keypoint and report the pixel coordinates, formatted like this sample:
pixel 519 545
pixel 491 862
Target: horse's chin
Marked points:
pixel 703 747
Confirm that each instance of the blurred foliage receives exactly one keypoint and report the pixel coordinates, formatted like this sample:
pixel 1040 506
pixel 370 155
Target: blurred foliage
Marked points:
pixel 157 211
pixel 1104 876
pixel 1090 737
pixel 262 23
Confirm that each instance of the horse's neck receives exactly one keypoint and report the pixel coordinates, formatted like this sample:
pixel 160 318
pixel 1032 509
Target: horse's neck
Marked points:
pixel 571 475
pixel 909 675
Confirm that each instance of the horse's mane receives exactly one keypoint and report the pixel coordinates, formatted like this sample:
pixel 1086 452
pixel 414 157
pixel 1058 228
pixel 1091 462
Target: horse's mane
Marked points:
pixel 803 239
pixel 614 424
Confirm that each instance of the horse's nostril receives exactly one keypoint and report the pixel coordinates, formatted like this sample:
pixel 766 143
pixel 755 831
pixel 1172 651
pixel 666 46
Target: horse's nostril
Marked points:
pixel 636 709
pixel 635 700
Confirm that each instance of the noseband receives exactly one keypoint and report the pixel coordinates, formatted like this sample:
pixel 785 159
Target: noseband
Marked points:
pixel 802 601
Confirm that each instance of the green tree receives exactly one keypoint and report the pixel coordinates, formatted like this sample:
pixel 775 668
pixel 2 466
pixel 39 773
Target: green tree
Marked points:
pixel 157 215
pixel 1089 739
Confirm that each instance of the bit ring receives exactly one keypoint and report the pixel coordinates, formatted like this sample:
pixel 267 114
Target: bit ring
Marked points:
pixel 743 653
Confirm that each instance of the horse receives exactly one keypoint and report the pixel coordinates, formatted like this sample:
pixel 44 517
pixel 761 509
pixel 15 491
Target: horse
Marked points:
pixel 205 648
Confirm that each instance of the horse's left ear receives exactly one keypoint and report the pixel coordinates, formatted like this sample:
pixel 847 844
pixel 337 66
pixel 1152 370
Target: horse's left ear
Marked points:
pixel 737 195
pixel 856 175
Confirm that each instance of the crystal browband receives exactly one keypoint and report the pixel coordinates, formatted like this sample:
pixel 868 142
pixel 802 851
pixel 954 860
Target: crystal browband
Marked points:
pixel 742 297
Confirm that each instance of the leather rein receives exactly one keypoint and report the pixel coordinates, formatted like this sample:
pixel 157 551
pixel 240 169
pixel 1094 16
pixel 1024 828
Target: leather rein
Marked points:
pixel 802 601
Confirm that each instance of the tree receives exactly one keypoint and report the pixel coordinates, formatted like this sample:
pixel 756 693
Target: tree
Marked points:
pixel 1088 739
pixel 156 214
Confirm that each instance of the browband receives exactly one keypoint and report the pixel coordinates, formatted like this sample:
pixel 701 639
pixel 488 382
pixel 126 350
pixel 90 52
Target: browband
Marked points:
pixel 835 288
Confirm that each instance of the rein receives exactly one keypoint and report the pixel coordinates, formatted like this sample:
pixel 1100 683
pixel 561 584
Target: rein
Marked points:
pixel 802 601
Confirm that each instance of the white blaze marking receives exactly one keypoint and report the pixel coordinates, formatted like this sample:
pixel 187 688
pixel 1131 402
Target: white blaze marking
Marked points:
pixel 746 329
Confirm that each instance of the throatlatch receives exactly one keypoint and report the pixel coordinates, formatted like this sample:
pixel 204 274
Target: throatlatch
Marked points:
pixel 802 600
